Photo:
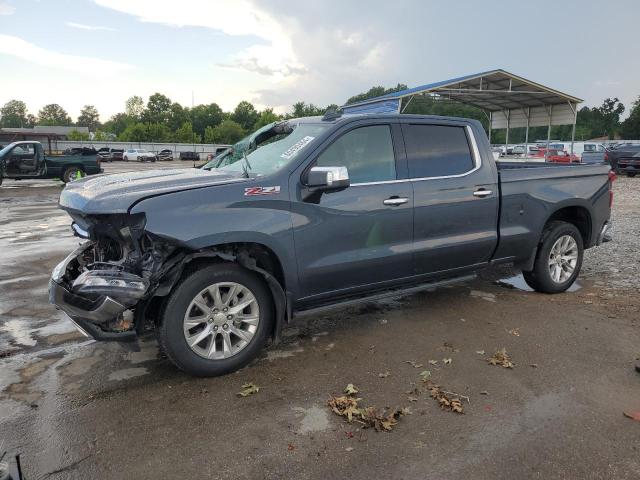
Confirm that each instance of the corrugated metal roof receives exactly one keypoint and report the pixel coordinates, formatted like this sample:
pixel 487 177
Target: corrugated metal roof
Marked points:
pixel 493 90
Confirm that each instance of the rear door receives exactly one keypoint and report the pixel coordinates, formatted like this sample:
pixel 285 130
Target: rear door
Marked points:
pixel 359 237
pixel 455 197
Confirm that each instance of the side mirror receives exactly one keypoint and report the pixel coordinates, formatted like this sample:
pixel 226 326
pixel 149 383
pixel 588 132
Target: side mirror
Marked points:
pixel 328 179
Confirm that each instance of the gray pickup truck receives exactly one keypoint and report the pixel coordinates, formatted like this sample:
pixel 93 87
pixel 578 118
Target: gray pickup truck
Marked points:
pixel 316 213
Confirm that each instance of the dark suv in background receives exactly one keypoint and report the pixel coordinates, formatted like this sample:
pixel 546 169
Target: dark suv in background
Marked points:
pixel 625 159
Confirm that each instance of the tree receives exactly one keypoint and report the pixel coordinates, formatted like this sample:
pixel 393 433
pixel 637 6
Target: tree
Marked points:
pixel 100 136
pixel 301 109
pixel 266 117
pixel 227 132
pixel 245 114
pixel 158 109
pixel 53 114
pixel 157 132
pixel 89 117
pixel 118 123
pixel 203 116
pixel 134 107
pixel 177 116
pixel 631 126
pixel 610 111
pixel 14 114
pixel 76 136
pixel 135 132
pixel 375 92
pixel 185 134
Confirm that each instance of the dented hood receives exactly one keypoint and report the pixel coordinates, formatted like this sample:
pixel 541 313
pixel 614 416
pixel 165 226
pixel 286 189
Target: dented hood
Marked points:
pixel 116 193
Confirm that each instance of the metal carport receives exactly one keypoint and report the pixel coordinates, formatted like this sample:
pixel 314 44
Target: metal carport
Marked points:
pixel 508 101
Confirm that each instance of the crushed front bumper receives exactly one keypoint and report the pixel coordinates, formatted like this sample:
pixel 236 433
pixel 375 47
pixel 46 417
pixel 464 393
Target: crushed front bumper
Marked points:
pixel 87 313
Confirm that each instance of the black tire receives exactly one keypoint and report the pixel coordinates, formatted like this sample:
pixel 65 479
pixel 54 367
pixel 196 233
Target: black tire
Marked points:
pixel 70 174
pixel 125 158
pixel 631 174
pixel 0 179
pixel 540 277
pixel 171 336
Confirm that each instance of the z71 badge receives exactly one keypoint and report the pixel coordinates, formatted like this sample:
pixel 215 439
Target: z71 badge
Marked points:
pixel 261 191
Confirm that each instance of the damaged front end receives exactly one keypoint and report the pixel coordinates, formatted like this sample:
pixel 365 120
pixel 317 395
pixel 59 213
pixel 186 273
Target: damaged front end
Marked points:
pixel 105 285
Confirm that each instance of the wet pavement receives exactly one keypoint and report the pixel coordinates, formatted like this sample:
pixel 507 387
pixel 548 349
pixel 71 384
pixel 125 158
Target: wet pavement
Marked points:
pixel 74 408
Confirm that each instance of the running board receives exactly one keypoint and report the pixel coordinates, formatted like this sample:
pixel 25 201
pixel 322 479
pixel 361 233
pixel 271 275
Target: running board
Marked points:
pixel 398 292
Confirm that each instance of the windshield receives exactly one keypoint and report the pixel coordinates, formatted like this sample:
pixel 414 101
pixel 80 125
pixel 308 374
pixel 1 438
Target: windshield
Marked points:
pixel 272 153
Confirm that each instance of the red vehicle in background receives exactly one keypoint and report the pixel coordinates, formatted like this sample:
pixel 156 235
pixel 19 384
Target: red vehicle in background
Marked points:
pixel 557 156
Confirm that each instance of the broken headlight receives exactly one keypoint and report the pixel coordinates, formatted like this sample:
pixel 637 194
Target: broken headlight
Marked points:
pixel 113 283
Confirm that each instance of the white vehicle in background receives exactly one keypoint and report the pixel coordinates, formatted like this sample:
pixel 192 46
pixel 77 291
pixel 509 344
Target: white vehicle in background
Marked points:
pixel 530 151
pixel 138 155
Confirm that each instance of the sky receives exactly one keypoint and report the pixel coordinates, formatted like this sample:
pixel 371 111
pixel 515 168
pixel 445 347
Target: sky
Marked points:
pixel 274 53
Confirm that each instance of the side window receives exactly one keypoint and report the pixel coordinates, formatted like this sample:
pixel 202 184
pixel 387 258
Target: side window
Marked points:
pixel 437 150
pixel 367 152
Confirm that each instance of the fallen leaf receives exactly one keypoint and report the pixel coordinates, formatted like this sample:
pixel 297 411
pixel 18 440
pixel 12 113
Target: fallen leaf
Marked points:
pixel 291 447
pixel 349 449
pixel 425 374
pixel 350 389
pixel 414 364
pixel 633 415
pixel 248 389
pixel 480 352
pixel 515 332
pixel 433 362
pixel 446 361
pixel 445 400
pixel 412 398
pixel 347 406
pixel 501 358
pixel 534 365
pixel 385 374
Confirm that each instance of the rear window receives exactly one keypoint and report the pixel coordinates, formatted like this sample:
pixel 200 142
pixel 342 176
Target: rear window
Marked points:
pixel 437 150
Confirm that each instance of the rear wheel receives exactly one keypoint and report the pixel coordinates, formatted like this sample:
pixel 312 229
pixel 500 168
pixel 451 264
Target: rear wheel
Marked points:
pixel 72 173
pixel 216 320
pixel 631 174
pixel 558 260
pixel 125 158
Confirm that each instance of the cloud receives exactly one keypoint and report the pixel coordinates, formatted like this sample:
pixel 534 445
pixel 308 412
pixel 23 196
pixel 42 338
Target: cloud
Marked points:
pixel 6 9
pixel 82 26
pixel 17 47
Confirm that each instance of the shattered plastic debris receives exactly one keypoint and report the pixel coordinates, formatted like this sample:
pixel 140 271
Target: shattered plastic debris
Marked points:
pixel 501 358
pixel 248 389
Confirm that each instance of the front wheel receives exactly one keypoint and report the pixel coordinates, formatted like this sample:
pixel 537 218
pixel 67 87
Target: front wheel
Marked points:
pixel 558 260
pixel 72 173
pixel 216 320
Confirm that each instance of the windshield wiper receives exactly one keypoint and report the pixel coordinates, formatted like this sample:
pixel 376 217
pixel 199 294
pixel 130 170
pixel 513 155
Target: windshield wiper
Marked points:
pixel 246 166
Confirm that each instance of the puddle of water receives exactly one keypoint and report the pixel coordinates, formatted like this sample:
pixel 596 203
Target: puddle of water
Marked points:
pixel 518 283
pixel 315 419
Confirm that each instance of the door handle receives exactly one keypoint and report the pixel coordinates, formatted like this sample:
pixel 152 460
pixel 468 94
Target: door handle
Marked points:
pixel 482 193
pixel 396 201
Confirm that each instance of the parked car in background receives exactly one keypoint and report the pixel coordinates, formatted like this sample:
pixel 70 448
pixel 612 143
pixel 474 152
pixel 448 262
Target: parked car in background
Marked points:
pixel 591 153
pixel 139 155
pixel 22 160
pixel 625 159
pixel 217 261
pixel 86 151
pixel 189 156
pixel 110 154
pixel 165 155
pixel 557 156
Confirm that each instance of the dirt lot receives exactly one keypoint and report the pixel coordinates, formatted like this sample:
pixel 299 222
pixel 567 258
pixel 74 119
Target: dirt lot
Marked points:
pixel 78 409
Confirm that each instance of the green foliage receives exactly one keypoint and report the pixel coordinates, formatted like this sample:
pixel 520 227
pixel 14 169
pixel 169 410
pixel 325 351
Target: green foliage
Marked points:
pixel 158 109
pixel 14 114
pixel 134 107
pixel 75 135
pixel 118 123
pixel 266 117
pixel 135 132
pixel 227 132
pixel 157 132
pixel 100 136
pixel 185 134
pixel 245 115
pixel 53 114
pixel 301 109
pixel 375 92
pixel 203 116
pixel 89 117
pixel 631 126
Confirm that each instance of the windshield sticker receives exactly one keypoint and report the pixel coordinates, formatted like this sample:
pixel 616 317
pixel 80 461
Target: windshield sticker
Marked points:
pixel 296 147
pixel 261 191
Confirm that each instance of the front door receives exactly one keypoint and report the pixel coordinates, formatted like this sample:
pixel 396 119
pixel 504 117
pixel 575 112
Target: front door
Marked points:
pixel 455 197
pixel 361 236
pixel 23 160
